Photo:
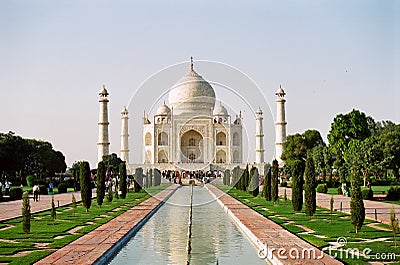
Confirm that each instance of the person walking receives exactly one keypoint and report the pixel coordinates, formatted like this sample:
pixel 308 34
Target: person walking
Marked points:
pixel 36 191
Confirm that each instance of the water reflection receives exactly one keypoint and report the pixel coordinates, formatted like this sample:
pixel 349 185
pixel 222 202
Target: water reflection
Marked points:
pixel 162 240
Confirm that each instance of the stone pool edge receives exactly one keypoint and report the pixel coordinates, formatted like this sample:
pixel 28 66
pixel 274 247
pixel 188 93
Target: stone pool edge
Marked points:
pixel 251 232
pixel 94 249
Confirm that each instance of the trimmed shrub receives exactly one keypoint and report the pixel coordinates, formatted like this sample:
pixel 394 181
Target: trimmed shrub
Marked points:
pixel 393 194
pixel 30 180
pixel 26 214
pixel 339 190
pixel 43 190
pixel 322 188
pixel 367 194
pixel 15 193
pixel 284 183
pixel 62 187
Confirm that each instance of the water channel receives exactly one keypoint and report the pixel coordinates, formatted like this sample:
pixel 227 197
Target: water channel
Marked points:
pixel 163 238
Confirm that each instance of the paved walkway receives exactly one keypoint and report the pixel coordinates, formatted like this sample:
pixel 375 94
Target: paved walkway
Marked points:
pixel 13 209
pixel 341 202
pixel 282 246
pixel 102 243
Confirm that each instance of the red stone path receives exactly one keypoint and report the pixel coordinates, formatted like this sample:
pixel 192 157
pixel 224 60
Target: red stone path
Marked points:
pixel 383 209
pixel 279 241
pixel 94 245
pixel 13 209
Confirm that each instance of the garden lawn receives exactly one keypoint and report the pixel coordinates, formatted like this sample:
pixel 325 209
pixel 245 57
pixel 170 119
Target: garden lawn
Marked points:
pixel 47 235
pixel 325 232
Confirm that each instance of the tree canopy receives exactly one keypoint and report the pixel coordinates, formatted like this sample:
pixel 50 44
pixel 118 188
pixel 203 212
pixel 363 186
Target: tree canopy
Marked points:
pixel 29 156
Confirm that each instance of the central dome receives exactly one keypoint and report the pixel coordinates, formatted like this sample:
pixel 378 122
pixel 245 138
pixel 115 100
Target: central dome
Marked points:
pixel 192 94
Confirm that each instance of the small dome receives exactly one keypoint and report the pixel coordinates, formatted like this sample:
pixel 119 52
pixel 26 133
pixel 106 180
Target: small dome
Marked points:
pixel 163 110
pixel 220 110
pixel 280 91
pixel 124 111
pixel 103 92
pixel 192 94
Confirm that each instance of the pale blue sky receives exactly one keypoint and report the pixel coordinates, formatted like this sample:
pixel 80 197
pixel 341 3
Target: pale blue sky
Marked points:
pixel 330 56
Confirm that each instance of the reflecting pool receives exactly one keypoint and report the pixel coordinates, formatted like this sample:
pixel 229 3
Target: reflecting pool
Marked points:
pixel 163 238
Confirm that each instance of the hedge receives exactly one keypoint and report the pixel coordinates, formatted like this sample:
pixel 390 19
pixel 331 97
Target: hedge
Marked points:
pixel 322 188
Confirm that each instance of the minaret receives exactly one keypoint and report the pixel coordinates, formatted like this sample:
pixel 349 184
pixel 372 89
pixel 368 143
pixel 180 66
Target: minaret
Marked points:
pixel 103 143
pixel 259 137
pixel 280 124
pixel 124 136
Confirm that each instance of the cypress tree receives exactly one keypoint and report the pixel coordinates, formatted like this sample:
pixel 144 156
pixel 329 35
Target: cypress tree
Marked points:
pixel 53 209
pixel 254 182
pixel 26 213
pixel 267 182
pixel 122 180
pixel 101 183
pixel 357 209
pixel 310 185
pixel 227 174
pixel 138 179
pixel 157 177
pixel 244 179
pixel 150 178
pixel 297 185
pixel 73 203
pixel 236 177
pixel 86 188
pixel 274 180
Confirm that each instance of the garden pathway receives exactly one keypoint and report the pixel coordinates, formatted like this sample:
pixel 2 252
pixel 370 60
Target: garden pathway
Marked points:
pixel 382 209
pixel 13 209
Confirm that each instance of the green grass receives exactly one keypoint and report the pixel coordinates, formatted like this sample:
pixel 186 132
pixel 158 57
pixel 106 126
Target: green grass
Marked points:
pixel 45 230
pixel 320 223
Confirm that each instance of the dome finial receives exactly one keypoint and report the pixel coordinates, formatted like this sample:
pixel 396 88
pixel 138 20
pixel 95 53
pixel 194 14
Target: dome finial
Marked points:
pixel 191 63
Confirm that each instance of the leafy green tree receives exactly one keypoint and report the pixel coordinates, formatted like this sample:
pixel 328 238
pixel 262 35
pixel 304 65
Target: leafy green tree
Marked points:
pixel 347 127
pixel 274 180
pixel 295 148
pixel 26 213
pixel 86 185
pixel 313 139
pixel 297 185
pixel 122 182
pixel 319 161
pixel 267 182
pixel 101 183
pixel 254 182
pixel 389 141
pixel 310 185
pixel 112 163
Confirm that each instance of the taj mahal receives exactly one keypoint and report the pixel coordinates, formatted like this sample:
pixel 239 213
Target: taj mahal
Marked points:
pixel 193 131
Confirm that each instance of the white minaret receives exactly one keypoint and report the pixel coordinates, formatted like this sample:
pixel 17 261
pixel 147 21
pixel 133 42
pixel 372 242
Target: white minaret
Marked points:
pixel 280 124
pixel 124 136
pixel 259 137
pixel 103 143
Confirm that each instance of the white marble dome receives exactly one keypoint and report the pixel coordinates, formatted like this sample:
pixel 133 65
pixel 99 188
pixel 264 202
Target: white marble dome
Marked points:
pixel 192 94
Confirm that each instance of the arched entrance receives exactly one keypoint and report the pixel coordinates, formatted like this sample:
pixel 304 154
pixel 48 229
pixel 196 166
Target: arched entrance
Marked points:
pixel 192 147
pixel 220 157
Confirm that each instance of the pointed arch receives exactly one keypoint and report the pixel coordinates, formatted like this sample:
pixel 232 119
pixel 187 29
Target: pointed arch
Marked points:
pixel 147 139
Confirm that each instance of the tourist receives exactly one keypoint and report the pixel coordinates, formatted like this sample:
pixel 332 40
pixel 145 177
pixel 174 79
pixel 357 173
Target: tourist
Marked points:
pixel 51 187
pixel 36 191
pixel 7 185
